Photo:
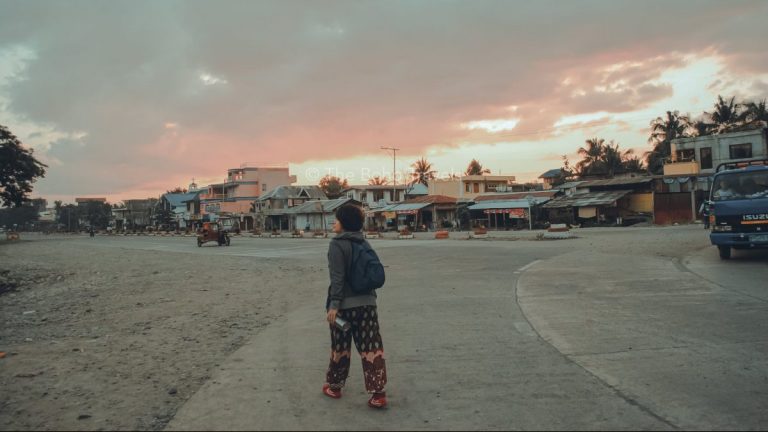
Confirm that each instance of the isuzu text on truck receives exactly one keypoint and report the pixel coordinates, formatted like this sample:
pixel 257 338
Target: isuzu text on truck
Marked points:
pixel 738 206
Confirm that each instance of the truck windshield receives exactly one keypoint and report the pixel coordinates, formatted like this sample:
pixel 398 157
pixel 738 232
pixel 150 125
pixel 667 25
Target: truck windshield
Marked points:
pixel 740 185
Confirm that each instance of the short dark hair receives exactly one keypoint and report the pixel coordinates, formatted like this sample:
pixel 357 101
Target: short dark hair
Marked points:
pixel 351 217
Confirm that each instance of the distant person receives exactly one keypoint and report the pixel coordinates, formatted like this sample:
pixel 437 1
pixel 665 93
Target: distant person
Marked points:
pixel 91 232
pixel 725 190
pixel 704 212
pixel 350 302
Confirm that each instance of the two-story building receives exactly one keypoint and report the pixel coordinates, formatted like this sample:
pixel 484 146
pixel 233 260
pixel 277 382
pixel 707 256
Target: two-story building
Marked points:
pixel 272 208
pixel 176 205
pixel 234 198
pixel 135 214
pixel 373 196
pixel 702 155
pixel 470 186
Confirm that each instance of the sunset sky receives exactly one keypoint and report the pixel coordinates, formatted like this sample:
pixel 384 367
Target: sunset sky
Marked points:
pixel 126 99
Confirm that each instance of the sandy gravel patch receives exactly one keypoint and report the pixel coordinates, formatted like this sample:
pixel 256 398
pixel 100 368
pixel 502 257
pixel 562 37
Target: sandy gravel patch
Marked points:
pixel 101 338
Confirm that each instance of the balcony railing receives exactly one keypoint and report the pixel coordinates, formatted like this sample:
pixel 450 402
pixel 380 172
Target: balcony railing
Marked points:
pixel 681 168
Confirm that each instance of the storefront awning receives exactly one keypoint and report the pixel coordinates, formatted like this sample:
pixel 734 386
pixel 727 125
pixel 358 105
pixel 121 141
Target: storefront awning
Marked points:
pixel 507 204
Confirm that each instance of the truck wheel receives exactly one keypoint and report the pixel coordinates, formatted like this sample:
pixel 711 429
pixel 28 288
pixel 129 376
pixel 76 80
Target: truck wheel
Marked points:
pixel 725 252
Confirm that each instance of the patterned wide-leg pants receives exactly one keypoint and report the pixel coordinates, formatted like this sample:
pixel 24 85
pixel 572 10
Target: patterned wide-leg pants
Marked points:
pixel 365 332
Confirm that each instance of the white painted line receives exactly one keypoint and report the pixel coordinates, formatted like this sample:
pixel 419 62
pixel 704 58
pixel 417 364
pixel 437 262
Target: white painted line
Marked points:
pixel 526 267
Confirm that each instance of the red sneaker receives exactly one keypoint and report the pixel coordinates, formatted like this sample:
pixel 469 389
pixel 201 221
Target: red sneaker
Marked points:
pixel 328 391
pixel 378 400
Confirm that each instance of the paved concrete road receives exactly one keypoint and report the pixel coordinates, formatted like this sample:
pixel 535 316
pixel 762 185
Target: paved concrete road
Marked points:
pixel 461 356
pixel 686 342
pixel 512 335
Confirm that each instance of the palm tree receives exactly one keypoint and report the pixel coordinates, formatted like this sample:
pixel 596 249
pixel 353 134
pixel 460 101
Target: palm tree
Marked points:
pixel 422 172
pixel 663 131
pixel 378 181
pixel 727 114
pixel 613 159
pixel 633 164
pixel 590 163
pixel 475 168
pixel 699 127
pixel 755 112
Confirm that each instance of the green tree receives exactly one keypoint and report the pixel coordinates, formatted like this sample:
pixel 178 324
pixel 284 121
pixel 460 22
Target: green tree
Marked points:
pixel 19 216
pixel 699 127
pixel 756 112
pixel 663 131
pixel 612 159
pixel 591 163
pixel 566 172
pixel 727 114
pixel 69 217
pixel 333 186
pixel 633 164
pixel 97 214
pixel 475 168
pixel 177 190
pixel 378 181
pixel 422 172
pixel 18 169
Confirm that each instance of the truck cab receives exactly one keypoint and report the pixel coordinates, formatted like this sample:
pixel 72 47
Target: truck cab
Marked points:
pixel 738 204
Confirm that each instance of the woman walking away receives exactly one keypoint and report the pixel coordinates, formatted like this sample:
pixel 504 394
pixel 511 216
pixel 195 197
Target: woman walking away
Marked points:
pixel 355 272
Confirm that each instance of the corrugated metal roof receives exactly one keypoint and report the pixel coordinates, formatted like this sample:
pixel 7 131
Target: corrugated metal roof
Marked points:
pixel 319 206
pixel 587 199
pixel 514 195
pixel 507 204
pixel 286 192
pixel 432 199
pixel 552 173
pixel 400 207
pixel 619 181
pixel 569 185
pixel 179 199
pixel 417 189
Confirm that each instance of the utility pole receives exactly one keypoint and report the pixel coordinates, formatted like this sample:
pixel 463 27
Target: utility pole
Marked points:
pixel 394 173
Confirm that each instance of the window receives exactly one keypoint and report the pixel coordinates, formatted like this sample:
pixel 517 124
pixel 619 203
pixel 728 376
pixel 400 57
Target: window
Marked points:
pixel 466 187
pixel 263 187
pixel 686 155
pixel 705 156
pixel 741 151
pixel 476 187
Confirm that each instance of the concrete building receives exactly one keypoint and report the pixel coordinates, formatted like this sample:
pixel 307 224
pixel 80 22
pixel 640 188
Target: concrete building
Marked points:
pixel 470 186
pixel 235 197
pixel 373 196
pixel 702 155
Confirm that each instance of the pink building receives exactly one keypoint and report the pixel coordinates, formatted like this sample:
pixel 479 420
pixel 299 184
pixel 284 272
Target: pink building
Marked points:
pixel 234 198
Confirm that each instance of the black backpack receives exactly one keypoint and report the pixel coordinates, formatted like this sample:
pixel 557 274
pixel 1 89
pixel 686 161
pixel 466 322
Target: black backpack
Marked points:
pixel 366 273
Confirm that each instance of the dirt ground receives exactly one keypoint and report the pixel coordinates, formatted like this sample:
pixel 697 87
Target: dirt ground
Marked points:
pixel 118 339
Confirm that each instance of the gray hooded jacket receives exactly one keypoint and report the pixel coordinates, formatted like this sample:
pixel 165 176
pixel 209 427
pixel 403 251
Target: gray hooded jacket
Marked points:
pixel 340 294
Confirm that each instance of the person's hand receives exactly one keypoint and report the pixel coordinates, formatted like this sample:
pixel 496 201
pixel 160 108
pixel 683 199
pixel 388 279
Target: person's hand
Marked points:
pixel 331 315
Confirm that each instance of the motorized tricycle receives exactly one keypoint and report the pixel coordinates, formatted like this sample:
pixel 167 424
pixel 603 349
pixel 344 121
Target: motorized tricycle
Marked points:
pixel 212 232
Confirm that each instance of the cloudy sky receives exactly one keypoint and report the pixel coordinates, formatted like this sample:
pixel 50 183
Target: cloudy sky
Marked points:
pixel 126 99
